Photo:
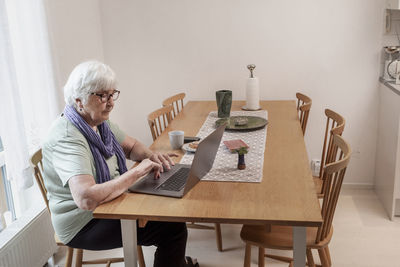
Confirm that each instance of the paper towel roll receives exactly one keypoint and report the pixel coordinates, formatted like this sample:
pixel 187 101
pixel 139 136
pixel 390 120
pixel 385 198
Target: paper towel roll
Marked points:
pixel 252 94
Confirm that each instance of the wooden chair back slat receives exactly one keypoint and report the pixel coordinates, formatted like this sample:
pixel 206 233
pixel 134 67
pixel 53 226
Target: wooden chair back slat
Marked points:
pixel 159 120
pixel 165 120
pixel 334 125
pixel 176 101
pixel 37 165
pixel 303 109
pixel 334 173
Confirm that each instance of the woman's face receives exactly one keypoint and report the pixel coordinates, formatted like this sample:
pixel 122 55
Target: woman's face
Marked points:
pixel 96 111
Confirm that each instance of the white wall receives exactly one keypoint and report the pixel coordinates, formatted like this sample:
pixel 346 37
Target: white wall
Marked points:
pixel 328 50
pixel 75 33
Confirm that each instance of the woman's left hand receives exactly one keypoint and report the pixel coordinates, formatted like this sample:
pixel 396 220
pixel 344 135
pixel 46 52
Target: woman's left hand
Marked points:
pixel 163 159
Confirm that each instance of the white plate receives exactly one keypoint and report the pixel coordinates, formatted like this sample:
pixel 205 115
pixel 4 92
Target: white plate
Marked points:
pixel 187 148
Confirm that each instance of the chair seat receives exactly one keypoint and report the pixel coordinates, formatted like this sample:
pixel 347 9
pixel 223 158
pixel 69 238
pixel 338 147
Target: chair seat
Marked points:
pixel 58 241
pixel 280 237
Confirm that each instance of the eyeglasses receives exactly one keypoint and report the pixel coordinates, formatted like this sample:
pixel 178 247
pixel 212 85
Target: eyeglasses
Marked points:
pixel 106 97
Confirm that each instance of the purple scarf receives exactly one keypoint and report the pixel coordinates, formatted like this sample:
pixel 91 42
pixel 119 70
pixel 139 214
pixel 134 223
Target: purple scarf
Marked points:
pixel 102 147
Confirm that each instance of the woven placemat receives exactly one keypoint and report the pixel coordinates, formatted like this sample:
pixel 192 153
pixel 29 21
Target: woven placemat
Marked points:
pixel 225 164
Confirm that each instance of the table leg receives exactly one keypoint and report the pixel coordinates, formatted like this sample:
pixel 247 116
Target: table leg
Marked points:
pixel 129 242
pixel 299 246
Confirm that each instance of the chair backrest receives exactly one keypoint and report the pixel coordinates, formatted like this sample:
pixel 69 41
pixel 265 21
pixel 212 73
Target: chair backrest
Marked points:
pixel 37 165
pixel 176 101
pixel 333 178
pixel 159 120
pixel 303 109
pixel 334 125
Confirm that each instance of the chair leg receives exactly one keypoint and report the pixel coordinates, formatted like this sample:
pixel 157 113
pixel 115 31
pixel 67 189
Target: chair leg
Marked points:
pixel 247 255
pixel 79 257
pixel 218 236
pixel 322 256
pixel 261 259
pixel 310 258
pixel 328 255
pixel 70 254
pixel 140 256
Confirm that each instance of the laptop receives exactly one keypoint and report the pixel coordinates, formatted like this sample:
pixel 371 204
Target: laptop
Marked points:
pixel 182 177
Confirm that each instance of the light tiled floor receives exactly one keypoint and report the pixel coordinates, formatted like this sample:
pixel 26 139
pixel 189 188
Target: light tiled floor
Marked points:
pixel 363 236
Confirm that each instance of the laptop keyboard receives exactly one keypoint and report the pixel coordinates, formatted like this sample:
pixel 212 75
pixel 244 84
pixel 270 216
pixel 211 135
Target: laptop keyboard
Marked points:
pixel 176 181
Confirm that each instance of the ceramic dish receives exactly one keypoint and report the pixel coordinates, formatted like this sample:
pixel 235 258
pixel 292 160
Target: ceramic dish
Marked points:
pixel 245 108
pixel 187 147
pixel 253 123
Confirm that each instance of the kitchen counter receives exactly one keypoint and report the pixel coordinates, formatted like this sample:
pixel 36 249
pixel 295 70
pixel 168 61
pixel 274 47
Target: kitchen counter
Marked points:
pixel 387 165
pixel 391 85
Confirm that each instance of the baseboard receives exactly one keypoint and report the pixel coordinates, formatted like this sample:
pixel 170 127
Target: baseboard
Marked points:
pixel 357 186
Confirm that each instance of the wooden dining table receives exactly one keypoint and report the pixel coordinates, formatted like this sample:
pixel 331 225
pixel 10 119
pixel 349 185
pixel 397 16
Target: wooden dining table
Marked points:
pixel 285 196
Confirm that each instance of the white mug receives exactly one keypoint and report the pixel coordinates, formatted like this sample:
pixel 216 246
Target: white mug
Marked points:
pixel 176 139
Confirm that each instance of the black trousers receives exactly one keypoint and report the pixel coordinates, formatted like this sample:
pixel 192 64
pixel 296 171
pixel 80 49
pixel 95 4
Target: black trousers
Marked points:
pixel 169 238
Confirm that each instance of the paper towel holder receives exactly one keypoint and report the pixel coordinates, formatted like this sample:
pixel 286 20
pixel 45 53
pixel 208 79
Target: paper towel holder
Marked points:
pixel 251 67
pixel 252 91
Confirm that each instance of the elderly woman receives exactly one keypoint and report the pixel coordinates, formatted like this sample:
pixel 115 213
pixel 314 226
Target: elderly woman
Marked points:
pixel 84 166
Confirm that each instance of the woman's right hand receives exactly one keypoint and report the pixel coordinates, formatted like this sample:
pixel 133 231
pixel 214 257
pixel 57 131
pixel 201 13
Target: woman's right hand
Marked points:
pixel 146 166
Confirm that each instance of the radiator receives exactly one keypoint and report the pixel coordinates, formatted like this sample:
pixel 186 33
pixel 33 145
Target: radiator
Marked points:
pixel 32 245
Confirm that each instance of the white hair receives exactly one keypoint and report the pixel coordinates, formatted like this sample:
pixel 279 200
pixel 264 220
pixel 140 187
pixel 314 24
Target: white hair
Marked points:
pixel 86 78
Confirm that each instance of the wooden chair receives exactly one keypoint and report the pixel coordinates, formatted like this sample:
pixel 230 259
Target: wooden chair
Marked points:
pixel 37 165
pixel 281 237
pixel 334 125
pixel 159 120
pixel 217 227
pixel 303 109
pixel 176 101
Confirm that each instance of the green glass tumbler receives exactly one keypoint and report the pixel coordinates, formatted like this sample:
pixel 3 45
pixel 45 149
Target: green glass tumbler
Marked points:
pixel 224 103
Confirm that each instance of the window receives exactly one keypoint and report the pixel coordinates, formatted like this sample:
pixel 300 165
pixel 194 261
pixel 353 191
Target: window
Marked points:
pixel 7 211
pixel 28 103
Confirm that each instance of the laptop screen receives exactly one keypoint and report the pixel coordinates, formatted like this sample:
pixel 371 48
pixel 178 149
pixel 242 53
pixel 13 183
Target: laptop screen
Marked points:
pixel 206 152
